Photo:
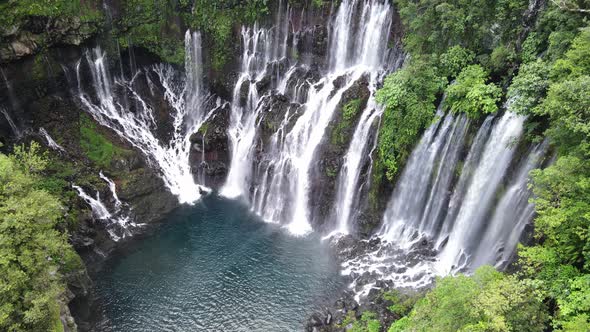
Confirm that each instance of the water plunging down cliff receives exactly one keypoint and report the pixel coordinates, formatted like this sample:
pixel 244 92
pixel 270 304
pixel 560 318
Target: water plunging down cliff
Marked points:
pixel 120 106
pixel 275 174
pixel 450 213
pixel 302 128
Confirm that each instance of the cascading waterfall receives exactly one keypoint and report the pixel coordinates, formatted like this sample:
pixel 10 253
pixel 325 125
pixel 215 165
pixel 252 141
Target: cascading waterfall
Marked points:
pixel 347 199
pixel 99 210
pixel 117 223
pixel 456 205
pixel 512 214
pixel 479 197
pixel 258 53
pixel 440 222
pixel 411 213
pixel 13 103
pixel 50 141
pixel 11 123
pixel 138 128
pixel 357 50
pixel 113 189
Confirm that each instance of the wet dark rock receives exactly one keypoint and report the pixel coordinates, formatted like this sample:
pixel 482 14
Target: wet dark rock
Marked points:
pixel 210 156
pixel 244 90
pixel 330 154
pixel 312 46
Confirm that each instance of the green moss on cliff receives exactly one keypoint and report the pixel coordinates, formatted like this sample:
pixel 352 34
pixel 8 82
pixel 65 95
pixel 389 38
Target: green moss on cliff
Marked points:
pixel 349 113
pixel 158 25
pixel 96 146
pixel 14 12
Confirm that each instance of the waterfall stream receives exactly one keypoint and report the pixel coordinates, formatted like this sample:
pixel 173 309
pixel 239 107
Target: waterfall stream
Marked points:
pixel 448 215
pixel 116 223
pixel 185 96
pixel 113 189
pixel 17 132
pixel 358 42
pixel 50 141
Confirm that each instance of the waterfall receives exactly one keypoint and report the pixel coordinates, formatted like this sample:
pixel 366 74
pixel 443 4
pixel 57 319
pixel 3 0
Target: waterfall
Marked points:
pixel 258 52
pixel 113 189
pixel 50 142
pixel 99 210
pixel 479 196
pixel 117 223
pixel 449 214
pixel 11 123
pixel 138 127
pixel 281 190
pixel 512 214
pixel 193 89
pixel 414 208
pixel 13 103
pixel 347 198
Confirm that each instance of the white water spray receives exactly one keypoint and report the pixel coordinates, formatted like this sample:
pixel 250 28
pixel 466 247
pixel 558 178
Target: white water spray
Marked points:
pixel 138 128
pixel 50 142
pixel 284 192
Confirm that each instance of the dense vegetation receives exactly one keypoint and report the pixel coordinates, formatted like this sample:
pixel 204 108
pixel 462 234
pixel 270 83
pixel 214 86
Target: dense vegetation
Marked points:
pixel 489 54
pixel 16 12
pixel 34 251
pixel 486 301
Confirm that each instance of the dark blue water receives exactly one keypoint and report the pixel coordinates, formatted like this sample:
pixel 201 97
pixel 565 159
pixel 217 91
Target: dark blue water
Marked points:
pixel 215 267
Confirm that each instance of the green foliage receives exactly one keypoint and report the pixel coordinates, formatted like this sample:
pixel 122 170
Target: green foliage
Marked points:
pixel 574 308
pixel 434 25
pixel 563 203
pixel 501 58
pixel 33 254
pixel 528 87
pixel 331 172
pixel 155 25
pixel 486 301
pixel 470 93
pixel 453 60
pixel 576 61
pixel 401 325
pixel 559 262
pixel 367 323
pixel 96 147
pixel 568 106
pixel 557 28
pixel 401 304
pixel 530 48
pixel 15 12
pixel 349 112
pixel 409 96
pixel 151 24
pixel 317 3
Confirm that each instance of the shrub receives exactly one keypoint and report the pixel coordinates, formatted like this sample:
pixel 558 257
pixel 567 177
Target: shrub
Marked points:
pixel 470 94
